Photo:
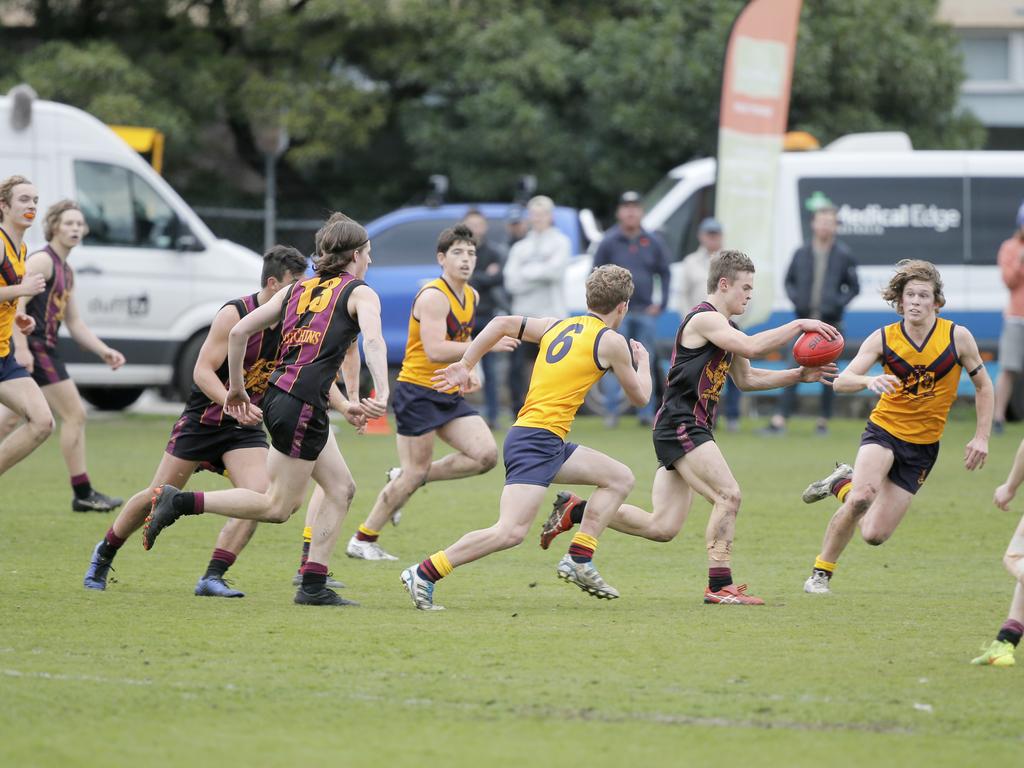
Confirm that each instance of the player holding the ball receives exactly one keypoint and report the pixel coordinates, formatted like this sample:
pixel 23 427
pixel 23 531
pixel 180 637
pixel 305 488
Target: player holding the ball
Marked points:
pixel 922 356
pixel 708 347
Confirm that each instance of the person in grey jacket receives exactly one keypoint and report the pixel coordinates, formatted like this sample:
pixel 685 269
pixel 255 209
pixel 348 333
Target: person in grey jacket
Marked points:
pixel 821 281
pixel 534 274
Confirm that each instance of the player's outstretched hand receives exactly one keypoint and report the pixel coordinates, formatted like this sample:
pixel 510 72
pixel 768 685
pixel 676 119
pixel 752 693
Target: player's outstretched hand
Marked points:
pixel 816 326
pixel 505 344
pixel 374 407
pixel 1003 496
pixel 237 404
pixel 252 417
pixel 26 323
pixel 113 358
pixel 823 373
pixel 356 416
pixel 454 375
pixel 640 355
pixel 886 383
pixel 975 454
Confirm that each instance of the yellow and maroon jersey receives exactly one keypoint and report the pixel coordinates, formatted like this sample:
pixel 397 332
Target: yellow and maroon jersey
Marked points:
pixel 567 367
pixel 47 308
pixel 12 269
pixel 929 376
pixel 419 369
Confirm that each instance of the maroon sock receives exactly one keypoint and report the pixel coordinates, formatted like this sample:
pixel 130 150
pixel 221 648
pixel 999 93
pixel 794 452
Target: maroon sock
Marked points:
pixel 718 578
pixel 838 485
pixel 314 576
pixel 81 486
pixel 1010 632
pixel 427 571
pixel 110 544
pixel 220 561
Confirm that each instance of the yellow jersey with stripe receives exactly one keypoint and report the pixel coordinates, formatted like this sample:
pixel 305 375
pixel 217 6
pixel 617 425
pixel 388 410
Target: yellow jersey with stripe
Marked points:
pixel 419 369
pixel 929 375
pixel 12 269
pixel 567 367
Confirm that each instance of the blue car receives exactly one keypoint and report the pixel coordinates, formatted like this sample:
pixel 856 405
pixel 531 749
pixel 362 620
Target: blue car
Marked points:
pixel 404 258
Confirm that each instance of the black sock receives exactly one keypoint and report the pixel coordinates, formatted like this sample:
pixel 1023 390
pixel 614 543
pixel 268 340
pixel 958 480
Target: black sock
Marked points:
pixel 107 550
pixel 576 514
pixel 216 569
pixel 185 503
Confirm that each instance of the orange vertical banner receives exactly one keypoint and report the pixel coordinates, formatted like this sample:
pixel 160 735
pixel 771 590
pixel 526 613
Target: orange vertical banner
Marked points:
pixel 753 113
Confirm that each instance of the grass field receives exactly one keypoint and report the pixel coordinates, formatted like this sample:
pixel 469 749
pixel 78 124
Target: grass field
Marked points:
pixel 522 668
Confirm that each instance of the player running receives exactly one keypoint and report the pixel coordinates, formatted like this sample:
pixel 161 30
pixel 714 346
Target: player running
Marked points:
pixel 922 356
pixel 440 326
pixel 574 354
pixel 18 392
pixel 205 437
pixel 1000 652
pixel 708 346
pixel 320 320
pixel 64 227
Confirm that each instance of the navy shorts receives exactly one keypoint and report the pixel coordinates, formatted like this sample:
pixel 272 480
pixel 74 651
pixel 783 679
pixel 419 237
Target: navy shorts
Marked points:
pixel 419 410
pixel 669 447
pixel 297 429
pixel 533 456
pixel 911 462
pixel 48 368
pixel 194 441
pixel 11 369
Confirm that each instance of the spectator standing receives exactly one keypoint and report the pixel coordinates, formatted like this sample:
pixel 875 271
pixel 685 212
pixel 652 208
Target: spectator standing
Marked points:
pixel 1011 340
pixel 821 281
pixel 516 225
pixel 629 245
pixel 693 289
pixel 489 281
pixel 534 274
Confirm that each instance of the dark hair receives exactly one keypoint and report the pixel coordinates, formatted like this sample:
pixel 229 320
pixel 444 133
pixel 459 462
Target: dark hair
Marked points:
pixel 336 244
pixel 453 235
pixel 727 264
pixel 280 259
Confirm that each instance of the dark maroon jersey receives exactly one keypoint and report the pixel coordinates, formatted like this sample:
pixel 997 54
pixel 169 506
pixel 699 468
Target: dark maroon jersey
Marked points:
pixel 260 359
pixel 316 332
pixel 47 308
pixel 695 381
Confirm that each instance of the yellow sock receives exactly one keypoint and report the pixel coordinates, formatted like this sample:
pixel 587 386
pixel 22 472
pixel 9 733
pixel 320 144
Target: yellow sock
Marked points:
pixel 843 492
pixel 441 563
pixel 824 565
pixel 307 535
pixel 368 532
pixel 584 540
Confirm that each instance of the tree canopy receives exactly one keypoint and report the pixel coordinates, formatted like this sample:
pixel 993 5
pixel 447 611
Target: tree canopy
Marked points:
pixel 592 98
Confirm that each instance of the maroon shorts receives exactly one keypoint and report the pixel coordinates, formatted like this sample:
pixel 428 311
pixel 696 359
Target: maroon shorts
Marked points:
pixel 297 429
pixel 47 367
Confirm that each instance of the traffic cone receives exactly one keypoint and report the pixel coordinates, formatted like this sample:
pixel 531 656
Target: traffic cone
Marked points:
pixel 379 425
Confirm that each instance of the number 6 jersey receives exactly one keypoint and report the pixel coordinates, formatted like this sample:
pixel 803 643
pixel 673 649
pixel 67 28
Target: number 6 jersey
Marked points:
pixel 316 332
pixel 566 368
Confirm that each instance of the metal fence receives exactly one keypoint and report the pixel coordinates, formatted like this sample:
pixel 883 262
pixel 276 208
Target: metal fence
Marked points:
pixel 245 227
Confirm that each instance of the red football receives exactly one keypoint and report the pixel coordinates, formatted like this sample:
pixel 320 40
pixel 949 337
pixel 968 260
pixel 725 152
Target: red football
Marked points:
pixel 813 349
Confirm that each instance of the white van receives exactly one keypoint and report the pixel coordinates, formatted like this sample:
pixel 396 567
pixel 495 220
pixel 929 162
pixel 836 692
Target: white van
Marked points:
pixel 953 208
pixel 150 275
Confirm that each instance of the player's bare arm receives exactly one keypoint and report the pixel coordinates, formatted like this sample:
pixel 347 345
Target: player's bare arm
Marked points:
pixel 854 377
pixel 211 357
pixel 364 306
pixel 516 327
pixel 714 327
pixel 237 404
pixel 984 398
pixel 1004 493
pixel 39 265
pixel 86 339
pixel 613 351
pixel 750 379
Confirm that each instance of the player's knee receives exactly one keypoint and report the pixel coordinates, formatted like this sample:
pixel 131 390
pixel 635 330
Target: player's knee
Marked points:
pixel 874 534
pixel 511 535
pixel 730 499
pixel 661 535
pixel 860 498
pixel 488 460
pixel 1014 563
pixel 280 512
pixel 621 481
pixel 40 425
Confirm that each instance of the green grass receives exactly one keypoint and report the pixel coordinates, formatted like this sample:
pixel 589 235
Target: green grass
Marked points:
pixel 521 668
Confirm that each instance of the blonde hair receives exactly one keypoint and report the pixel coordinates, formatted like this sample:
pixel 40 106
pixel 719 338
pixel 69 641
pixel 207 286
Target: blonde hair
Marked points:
pixel 7 190
pixel 727 264
pixel 913 269
pixel 607 287
pixel 53 214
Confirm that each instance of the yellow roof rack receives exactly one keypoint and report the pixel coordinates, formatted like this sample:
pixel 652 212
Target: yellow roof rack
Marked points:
pixel 144 141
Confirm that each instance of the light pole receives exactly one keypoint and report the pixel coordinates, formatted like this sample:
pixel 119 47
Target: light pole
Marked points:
pixel 273 141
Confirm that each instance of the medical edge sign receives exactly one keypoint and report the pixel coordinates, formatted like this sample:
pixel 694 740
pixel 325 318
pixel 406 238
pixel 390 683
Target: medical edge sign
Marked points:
pixel 901 218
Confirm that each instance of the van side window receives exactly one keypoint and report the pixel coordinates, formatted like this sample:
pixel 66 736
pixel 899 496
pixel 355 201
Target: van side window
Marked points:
pixel 994 202
pixel 122 208
pixel 680 230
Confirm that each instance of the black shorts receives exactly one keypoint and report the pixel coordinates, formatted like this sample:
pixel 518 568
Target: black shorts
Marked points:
pixel 669 447
pixel 533 456
pixel 419 410
pixel 911 462
pixel 48 368
pixel 193 441
pixel 297 429
pixel 10 368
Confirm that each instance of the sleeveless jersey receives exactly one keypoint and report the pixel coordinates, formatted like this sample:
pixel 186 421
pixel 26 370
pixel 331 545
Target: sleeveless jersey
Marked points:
pixel 12 269
pixel 566 368
pixel 259 362
pixel 417 368
pixel 695 380
pixel 316 332
pixel 47 308
pixel 929 376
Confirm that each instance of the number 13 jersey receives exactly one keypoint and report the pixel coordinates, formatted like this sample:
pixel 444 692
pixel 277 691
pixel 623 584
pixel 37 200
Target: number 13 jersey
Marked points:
pixel 566 368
